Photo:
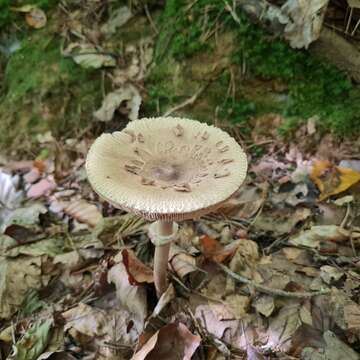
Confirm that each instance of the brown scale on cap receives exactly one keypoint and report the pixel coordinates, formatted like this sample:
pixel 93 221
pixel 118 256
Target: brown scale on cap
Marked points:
pixel 178 130
pixel 172 169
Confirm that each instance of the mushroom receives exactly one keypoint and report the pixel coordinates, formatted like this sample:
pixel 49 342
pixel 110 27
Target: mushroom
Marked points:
pixel 166 169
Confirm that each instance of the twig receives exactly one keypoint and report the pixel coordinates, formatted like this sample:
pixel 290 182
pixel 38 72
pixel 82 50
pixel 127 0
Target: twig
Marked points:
pixel 190 5
pixel 232 12
pixel 191 291
pixel 151 21
pixel 346 217
pixel 271 291
pixel 207 230
pixel 187 102
pixel 265 142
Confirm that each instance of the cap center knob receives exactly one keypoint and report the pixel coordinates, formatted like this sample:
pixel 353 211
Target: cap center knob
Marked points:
pixel 165 172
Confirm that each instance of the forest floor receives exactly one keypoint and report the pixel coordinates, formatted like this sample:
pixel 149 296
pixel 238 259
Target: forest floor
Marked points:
pixel 273 274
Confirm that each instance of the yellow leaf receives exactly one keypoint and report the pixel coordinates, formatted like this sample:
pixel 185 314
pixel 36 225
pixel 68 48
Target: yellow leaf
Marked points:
pixel 331 179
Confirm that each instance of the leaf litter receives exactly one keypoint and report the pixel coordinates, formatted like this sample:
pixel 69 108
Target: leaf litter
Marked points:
pixel 274 273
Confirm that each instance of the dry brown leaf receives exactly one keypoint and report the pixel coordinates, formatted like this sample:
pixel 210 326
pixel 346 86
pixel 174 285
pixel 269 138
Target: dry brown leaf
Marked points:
pixel 317 234
pixel 238 305
pixel 245 260
pixel 238 333
pixel 36 18
pixel 280 221
pixel 352 316
pixel 330 274
pixel 331 179
pixel 334 349
pixel 92 327
pixel 212 249
pixel 245 204
pixel 171 342
pixel 43 187
pixel 17 276
pixel 284 325
pixel 137 271
pixel 265 305
pixel 132 297
pixel 181 262
pixel 84 212
pixel 210 321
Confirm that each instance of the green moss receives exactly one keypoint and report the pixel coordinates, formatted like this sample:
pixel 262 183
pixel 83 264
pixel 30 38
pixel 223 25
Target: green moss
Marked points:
pixel 183 38
pixel 45 91
pixel 5 13
pixel 315 88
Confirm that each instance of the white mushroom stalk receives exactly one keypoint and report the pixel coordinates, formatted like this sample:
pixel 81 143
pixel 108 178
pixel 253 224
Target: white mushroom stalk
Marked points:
pixel 167 169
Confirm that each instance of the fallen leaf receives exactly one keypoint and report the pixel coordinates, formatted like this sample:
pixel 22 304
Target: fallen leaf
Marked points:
pixel 269 168
pixel 137 271
pixel 352 316
pixel 281 222
pixel 331 179
pixel 118 18
pixel 329 214
pixel 265 305
pixel 245 260
pixel 210 321
pixel 36 18
pixel 212 249
pixel 284 325
pixel 84 212
pixel 330 274
pixel 304 21
pixel 238 305
pixel 10 197
pixel 34 341
pixel 19 233
pixel 43 187
pixel 92 326
pixel 344 200
pixel 245 204
pixel 181 262
pixel 128 93
pixel 132 297
pixel 334 349
pixel 317 234
pixel 32 176
pixel 88 56
pixel 91 59
pixel 171 342
pixel 238 333
pixel 17 276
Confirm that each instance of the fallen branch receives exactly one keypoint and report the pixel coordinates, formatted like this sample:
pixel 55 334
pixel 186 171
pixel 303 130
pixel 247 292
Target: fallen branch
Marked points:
pixel 187 102
pixel 271 291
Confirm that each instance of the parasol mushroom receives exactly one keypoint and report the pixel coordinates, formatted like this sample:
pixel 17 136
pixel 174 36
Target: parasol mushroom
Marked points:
pixel 166 169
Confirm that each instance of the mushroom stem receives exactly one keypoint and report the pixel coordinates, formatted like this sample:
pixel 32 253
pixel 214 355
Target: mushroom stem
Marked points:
pixel 165 228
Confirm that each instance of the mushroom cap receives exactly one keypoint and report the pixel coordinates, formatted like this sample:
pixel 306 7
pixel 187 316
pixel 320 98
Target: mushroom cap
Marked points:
pixel 166 168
